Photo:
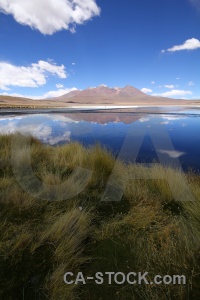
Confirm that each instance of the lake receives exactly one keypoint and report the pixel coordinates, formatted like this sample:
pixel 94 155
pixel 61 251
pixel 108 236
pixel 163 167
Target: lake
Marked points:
pixel 146 135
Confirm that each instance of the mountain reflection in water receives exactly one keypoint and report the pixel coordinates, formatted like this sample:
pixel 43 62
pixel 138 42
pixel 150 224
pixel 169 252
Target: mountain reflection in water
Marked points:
pixel 114 130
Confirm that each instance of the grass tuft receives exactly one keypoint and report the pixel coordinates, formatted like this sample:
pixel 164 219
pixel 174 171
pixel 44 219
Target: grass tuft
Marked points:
pixel 53 221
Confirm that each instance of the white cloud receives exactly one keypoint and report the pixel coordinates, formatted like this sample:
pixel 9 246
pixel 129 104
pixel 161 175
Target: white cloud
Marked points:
pixel 49 16
pixel 173 118
pixel 144 119
pixel 177 78
pixel 145 90
pixel 59 86
pixel 190 83
pixel 190 44
pixel 60 92
pixel 50 94
pixel 31 76
pixel 172 153
pixel 72 29
pixel 41 130
pixel 153 82
pixel 174 93
pixel 169 86
pixel 73 63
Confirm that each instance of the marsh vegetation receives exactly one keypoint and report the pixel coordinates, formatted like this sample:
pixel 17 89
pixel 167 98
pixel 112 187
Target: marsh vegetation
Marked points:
pixel 148 230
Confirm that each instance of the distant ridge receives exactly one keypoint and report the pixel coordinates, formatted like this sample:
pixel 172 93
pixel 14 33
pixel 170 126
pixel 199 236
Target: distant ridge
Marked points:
pixel 103 93
pixel 96 96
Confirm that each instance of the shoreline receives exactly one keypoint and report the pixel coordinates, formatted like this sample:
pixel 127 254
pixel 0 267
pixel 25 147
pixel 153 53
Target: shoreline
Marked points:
pixel 99 107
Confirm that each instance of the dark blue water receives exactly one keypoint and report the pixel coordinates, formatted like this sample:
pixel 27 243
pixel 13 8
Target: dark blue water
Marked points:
pixel 141 137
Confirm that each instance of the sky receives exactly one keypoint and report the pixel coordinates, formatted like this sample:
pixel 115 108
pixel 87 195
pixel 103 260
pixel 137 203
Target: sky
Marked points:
pixel 48 48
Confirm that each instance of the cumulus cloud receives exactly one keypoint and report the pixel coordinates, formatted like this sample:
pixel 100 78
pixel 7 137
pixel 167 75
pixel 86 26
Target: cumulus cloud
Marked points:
pixel 146 90
pixel 59 92
pixel 174 93
pixel 169 86
pixel 153 82
pixel 190 44
pixel 40 127
pixel 49 16
pixel 30 76
pixel 50 94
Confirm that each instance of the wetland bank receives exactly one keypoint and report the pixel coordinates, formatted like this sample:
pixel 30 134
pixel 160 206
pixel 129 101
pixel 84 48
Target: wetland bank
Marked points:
pixel 56 222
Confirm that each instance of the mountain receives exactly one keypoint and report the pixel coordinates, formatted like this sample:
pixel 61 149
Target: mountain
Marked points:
pixel 98 96
pixel 104 118
pixel 127 96
pixel 102 95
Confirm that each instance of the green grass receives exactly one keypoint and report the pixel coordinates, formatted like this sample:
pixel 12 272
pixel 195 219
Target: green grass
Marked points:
pixel 47 228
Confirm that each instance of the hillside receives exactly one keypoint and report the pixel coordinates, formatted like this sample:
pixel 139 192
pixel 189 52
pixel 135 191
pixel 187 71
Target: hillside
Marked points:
pixel 100 96
pixel 19 102
pixel 129 95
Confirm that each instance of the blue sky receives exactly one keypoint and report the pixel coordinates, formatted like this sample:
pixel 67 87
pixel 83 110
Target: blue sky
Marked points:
pixel 48 48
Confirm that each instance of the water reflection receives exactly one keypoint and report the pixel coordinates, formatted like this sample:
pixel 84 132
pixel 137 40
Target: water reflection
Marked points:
pixel 110 129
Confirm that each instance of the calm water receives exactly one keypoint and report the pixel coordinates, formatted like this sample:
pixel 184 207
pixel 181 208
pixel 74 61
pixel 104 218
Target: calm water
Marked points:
pixel 167 137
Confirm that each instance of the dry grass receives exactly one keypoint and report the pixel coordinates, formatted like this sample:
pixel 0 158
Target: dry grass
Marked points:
pixel 55 221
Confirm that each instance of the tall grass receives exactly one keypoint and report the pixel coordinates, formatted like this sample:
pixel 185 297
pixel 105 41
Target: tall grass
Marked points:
pixel 150 229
